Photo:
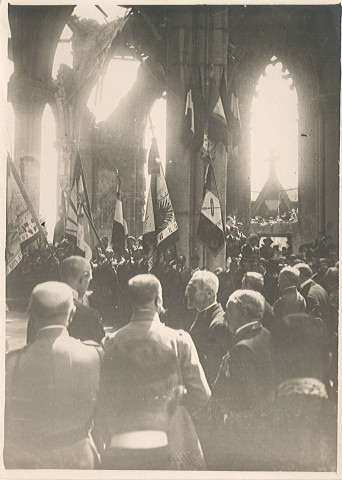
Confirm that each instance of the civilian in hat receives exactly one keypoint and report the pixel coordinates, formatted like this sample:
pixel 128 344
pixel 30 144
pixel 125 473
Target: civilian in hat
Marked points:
pixel 266 251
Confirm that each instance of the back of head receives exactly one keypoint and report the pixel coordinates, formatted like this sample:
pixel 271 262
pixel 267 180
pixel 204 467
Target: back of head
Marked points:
pixel 72 268
pixel 253 281
pixel 289 277
pixel 51 303
pixel 251 302
pixel 300 347
pixel 331 277
pixel 208 281
pixel 143 289
pixel 304 270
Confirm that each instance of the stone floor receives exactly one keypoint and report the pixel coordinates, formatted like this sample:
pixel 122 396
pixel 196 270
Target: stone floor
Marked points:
pixel 16 323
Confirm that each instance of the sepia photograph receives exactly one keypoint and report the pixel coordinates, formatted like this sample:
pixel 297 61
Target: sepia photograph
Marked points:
pixel 170 240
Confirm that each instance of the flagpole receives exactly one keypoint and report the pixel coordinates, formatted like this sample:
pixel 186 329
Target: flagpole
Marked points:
pixel 101 244
pixel 27 199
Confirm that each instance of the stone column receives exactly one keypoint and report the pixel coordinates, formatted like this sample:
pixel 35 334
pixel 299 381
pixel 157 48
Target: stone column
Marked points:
pixel 29 98
pixel 307 167
pixel 178 155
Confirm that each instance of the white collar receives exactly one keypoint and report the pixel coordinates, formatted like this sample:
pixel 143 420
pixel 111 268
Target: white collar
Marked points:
pixel 246 325
pixel 304 283
pixel 52 326
pixel 206 308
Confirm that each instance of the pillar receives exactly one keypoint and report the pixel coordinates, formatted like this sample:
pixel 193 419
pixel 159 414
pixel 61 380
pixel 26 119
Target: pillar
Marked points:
pixel 29 98
pixel 197 41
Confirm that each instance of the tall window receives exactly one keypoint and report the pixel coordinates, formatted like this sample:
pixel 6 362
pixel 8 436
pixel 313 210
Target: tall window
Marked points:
pixel 274 131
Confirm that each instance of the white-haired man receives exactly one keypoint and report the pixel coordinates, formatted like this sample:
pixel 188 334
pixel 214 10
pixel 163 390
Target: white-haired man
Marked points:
pixel 209 331
pixel 290 300
pixel 245 378
pixel 51 389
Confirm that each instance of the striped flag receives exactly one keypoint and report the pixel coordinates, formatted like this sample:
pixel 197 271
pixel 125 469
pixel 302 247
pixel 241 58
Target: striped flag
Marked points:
pixel 23 226
pixel 119 230
pixel 217 123
pixel 210 229
pixel 77 228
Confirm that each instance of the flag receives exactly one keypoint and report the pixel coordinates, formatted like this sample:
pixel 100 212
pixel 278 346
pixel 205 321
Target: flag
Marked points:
pixel 78 228
pixel 160 228
pixel 119 230
pixel 23 226
pixel 210 229
pixel 164 215
pixel 217 124
pixel 59 230
pixel 149 233
pixel 189 119
pixel 152 164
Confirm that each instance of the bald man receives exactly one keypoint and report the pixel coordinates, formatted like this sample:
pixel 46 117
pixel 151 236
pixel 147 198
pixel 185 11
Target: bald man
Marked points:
pixel 51 389
pixel 86 323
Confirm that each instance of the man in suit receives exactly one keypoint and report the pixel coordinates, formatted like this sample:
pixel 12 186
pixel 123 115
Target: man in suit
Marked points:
pixel 296 430
pixel 251 247
pixel 255 281
pixel 51 389
pixel 209 331
pixel 290 300
pixel 245 377
pixel 317 300
pixel 87 322
pixel 145 362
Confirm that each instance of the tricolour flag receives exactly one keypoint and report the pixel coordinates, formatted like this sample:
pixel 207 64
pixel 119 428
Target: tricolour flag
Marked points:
pixel 119 230
pixel 149 233
pixel 217 123
pixel 210 229
pixel 77 228
pixel 23 226
pixel 234 122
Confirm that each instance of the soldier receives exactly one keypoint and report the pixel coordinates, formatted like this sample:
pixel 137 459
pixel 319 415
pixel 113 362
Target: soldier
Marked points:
pixel 51 389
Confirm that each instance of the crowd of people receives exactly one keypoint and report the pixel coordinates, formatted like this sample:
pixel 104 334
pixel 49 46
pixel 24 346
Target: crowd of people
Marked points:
pixel 189 369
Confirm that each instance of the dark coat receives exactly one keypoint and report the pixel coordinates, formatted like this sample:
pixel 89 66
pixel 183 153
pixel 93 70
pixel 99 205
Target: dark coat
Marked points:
pixel 317 300
pixel 246 375
pixel 290 433
pixel 212 339
pixel 86 323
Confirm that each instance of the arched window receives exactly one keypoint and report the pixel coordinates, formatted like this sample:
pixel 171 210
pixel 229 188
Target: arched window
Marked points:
pixel 48 172
pixel 274 144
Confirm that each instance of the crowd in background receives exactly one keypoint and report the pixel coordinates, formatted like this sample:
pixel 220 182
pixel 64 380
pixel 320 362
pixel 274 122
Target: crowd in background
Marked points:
pixel 234 369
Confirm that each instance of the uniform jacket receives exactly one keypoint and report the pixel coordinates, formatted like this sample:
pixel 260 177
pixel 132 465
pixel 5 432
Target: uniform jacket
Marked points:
pixel 290 301
pixel 212 339
pixel 143 363
pixel 51 388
